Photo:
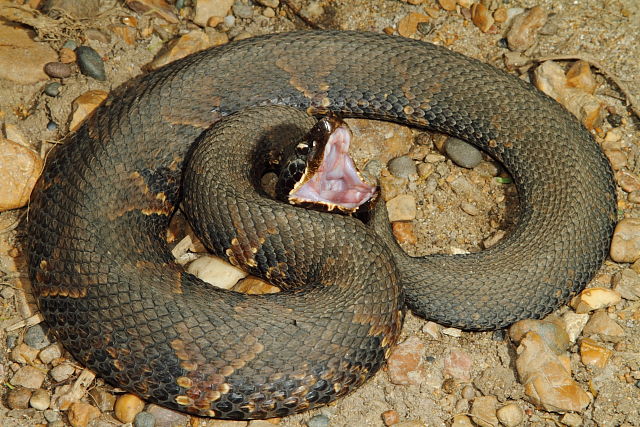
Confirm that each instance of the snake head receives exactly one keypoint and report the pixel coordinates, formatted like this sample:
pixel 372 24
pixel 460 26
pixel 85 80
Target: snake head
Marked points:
pixel 330 179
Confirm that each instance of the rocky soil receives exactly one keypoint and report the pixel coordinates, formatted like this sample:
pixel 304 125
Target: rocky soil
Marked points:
pixel 581 366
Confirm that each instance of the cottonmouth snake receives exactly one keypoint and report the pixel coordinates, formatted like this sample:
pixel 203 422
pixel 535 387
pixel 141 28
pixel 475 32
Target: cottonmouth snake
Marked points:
pixel 110 291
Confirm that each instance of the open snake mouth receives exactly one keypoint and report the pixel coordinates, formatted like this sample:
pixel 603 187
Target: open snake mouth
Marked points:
pixel 331 178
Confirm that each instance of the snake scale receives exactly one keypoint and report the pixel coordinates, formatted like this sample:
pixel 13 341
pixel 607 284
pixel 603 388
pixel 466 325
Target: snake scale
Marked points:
pixel 112 294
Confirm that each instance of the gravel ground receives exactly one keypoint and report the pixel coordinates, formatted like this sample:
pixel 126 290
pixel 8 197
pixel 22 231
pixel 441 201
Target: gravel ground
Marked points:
pixel 446 220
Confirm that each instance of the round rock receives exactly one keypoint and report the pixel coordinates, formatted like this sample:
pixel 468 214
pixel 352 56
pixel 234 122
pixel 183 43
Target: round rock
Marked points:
pixel 144 419
pixel 57 69
pixel 90 63
pixel 402 167
pixel 36 337
pixel 318 421
pixel 52 89
pixel 510 415
pixel 462 153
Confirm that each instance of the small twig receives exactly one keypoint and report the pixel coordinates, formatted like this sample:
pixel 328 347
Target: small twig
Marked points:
pixel 635 106
pixel 296 12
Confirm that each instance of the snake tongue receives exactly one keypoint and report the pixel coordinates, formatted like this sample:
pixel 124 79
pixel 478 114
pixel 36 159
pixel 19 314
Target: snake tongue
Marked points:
pixel 333 180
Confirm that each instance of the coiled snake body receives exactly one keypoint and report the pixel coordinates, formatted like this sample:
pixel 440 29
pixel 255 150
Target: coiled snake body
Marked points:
pixel 111 292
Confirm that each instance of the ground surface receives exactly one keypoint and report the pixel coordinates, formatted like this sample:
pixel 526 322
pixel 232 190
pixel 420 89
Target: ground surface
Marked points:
pixel 605 30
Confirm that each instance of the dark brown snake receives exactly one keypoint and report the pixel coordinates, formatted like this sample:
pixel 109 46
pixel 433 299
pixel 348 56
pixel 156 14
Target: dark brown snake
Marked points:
pixel 112 293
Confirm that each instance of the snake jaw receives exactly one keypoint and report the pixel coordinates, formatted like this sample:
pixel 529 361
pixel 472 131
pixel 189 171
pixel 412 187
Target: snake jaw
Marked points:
pixel 331 178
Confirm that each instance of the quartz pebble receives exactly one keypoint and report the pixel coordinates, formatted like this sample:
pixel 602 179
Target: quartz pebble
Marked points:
pixel 402 208
pixel 127 407
pixel 627 284
pixel 524 28
pixel 601 324
pixel 215 271
pixel 206 9
pixel 80 414
pixel 546 378
pixel 574 323
pixel 595 298
pixel 625 245
pixel 483 411
pixel 19 170
pixel 510 415
pixel 29 377
pixel 50 353
pixel 462 421
pixel 593 354
pixel 40 399
pixel 319 420
pixel 62 372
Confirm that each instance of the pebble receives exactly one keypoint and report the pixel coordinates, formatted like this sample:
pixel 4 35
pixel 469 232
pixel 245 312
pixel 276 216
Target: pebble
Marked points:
pixel 229 21
pixel 255 286
pixel 462 421
pixel 159 8
pixel 405 364
pixel 551 330
pixel 22 60
pixel 127 407
pixel 469 208
pixel 51 416
pixel 18 398
pixel 457 365
pixel 546 379
pixel 67 56
pixel 193 41
pixel 80 414
pixel 51 126
pixel 595 298
pixel 12 340
pixel 571 419
pixel 269 3
pixel 402 208
pixel 487 169
pixel 84 105
pixel 206 9
pixel 29 377
pixel 580 76
pixel 601 324
pixel 24 354
pixel 574 323
pixel 319 420
pixel 462 406
pixel 625 246
pixel 404 232
pixel 104 400
pixel 524 28
pixel 77 9
pixel 313 10
pixel 593 354
pixel 40 399
pixel 481 17
pixel 634 197
pixel 627 284
pixel 468 392
pixel 390 417
pixel 452 332
pixel 617 158
pixel 379 140
pixel 629 182
pixel 166 417
pixel 144 419
pixel 510 415
pixel 448 5
pixel 52 89
pixel 241 10
pixel 493 240
pixel 57 69
pixel 50 353
pixel 483 411
pixel 550 78
pixel 62 372
pixel 36 337
pixel 408 26
pixel 462 153
pixel 433 330
pixel 402 167
pixel 392 186
pixel 268 12
pixel 216 271
pixel 90 63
